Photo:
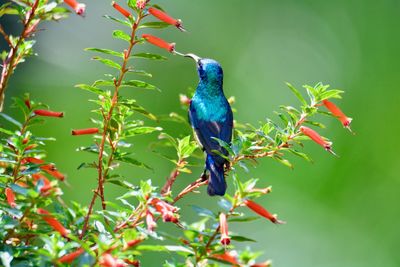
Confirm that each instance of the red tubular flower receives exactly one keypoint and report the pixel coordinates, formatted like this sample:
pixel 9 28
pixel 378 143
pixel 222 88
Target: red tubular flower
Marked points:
pixel 46 183
pixel 121 10
pixel 10 197
pixel 30 147
pixel 223 228
pixel 132 243
pixel 32 160
pixel 48 113
pixel 70 257
pixel 166 18
pixel 168 212
pixel 78 7
pixel 261 211
pixel 228 256
pixel 52 170
pixel 27 103
pixel 337 112
pixel 151 224
pixel 170 47
pixel 85 131
pixel 313 135
pixel 53 222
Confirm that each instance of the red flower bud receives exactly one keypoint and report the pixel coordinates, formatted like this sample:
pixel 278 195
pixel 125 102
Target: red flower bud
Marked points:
pixel 228 256
pixel 70 257
pixel 30 147
pixel 313 135
pixel 223 228
pixel 134 263
pixel 78 7
pixel 27 103
pixel 170 47
pixel 32 160
pixel 53 222
pixel 52 170
pixel 48 113
pixel 132 243
pixel 151 224
pixel 166 18
pixel 10 197
pixel 261 211
pixel 168 212
pixel 121 10
pixel 107 260
pixel 337 112
pixel 85 131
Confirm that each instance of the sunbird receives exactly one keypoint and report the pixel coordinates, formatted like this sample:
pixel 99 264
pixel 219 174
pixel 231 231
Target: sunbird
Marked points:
pixel 210 116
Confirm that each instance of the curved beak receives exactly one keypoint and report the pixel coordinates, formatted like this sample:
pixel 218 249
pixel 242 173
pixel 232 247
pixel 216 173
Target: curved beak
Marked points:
pixel 193 56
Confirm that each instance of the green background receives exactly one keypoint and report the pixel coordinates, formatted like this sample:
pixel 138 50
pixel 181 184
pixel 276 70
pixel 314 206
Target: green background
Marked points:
pixel 340 211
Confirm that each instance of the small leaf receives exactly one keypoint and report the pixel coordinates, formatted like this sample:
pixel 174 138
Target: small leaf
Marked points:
pixel 108 62
pixel 10 119
pixel 92 89
pixel 242 239
pixel 105 51
pixel 139 84
pixel 297 94
pixel 121 35
pixel 123 22
pixel 203 212
pixel 149 56
pixel 154 25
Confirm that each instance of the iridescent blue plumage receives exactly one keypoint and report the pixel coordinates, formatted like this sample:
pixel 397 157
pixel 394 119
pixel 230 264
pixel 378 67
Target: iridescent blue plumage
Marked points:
pixel 211 116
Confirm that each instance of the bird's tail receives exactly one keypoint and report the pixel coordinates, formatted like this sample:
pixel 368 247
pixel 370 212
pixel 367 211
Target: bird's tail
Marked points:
pixel 217 183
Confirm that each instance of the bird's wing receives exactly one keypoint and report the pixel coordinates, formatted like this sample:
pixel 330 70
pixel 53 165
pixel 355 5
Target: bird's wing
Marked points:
pixel 205 130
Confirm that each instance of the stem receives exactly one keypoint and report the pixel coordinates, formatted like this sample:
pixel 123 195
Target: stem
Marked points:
pixel 101 169
pixel 12 60
pixel 166 189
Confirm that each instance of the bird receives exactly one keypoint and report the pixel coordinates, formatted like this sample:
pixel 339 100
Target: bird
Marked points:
pixel 210 116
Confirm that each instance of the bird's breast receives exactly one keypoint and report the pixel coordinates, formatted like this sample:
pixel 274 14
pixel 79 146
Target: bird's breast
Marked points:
pixel 215 109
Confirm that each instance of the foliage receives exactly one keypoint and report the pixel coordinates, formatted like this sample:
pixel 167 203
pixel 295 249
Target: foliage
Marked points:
pixel 39 229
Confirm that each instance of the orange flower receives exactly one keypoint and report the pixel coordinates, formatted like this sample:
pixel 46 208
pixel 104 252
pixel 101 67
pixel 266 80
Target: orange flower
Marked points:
pixel 78 7
pixel 85 131
pixel 10 197
pixel 223 228
pixel 121 10
pixel 32 160
pixel 170 47
pixel 168 212
pixel 70 257
pixel 313 135
pixel 166 18
pixel 53 222
pixel 48 113
pixel 261 211
pixel 337 112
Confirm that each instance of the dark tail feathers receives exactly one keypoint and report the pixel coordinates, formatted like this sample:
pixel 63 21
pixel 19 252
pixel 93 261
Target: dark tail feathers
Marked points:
pixel 217 183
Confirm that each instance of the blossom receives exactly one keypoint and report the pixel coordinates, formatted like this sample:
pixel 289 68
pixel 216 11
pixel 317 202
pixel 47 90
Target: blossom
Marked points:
pixel 151 224
pixel 223 228
pixel 78 7
pixel 168 212
pixel 85 131
pixel 261 211
pixel 32 160
pixel 121 10
pixel 107 260
pixel 337 112
pixel 166 18
pixel 10 197
pixel 170 47
pixel 48 113
pixel 46 183
pixel 313 135
pixel 52 170
pixel 141 4
pixel 68 258
pixel 53 222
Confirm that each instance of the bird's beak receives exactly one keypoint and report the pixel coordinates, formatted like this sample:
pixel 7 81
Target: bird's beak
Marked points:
pixel 194 57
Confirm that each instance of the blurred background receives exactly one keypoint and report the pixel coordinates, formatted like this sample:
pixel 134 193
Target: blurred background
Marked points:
pixel 340 211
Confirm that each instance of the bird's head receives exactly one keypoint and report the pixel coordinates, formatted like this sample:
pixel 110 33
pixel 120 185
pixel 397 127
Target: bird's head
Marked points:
pixel 210 71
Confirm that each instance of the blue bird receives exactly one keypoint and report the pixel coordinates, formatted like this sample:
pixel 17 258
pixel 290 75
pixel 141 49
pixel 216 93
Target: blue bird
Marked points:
pixel 211 117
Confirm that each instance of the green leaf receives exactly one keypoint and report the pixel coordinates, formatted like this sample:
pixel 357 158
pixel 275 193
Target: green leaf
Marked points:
pixel 141 72
pixel 297 94
pixel 242 239
pixel 132 105
pixel 132 162
pixel 107 62
pixel 203 212
pixel 141 130
pixel 105 51
pixel 92 89
pixel 154 25
pixel 5 131
pixel 139 84
pixel 121 35
pixel 13 121
pixel 149 56
pixel 123 22
pixel 284 162
pixel 243 219
pixel 300 154
pixel 330 94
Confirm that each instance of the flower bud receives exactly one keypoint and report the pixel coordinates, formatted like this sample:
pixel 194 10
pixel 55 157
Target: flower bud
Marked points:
pixel 48 113
pixel 223 228
pixel 337 112
pixel 170 47
pixel 261 211
pixel 78 7
pixel 313 135
pixel 70 257
pixel 151 224
pixel 121 10
pixel 53 222
pixel 85 131
pixel 10 197
pixel 166 18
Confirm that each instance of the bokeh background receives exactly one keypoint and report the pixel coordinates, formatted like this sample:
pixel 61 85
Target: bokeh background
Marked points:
pixel 340 211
